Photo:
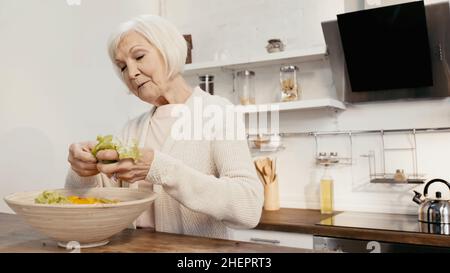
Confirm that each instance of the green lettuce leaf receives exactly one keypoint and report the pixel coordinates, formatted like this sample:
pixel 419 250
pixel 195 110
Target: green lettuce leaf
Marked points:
pixel 51 197
pixel 110 143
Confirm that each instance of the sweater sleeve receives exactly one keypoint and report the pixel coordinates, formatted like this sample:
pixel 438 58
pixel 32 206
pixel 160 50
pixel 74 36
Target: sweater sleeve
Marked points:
pixel 235 197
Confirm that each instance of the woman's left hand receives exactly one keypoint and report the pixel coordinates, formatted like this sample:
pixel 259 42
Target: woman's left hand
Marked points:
pixel 126 169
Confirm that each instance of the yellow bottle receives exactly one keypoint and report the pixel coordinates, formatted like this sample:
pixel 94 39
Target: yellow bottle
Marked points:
pixel 326 194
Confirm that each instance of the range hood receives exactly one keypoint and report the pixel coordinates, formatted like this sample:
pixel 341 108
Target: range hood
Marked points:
pixel 438 25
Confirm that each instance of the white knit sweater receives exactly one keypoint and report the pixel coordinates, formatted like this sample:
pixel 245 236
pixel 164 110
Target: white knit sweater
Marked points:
pixel 203 185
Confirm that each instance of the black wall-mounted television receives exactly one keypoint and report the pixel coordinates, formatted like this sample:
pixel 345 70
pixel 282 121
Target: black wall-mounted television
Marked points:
pixel 396 64
pixel 387 47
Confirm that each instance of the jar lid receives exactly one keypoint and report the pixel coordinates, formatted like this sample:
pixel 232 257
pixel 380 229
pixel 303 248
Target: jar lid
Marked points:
pixel 274 41
pixel 289 68
pixel 246 73
pixel 206 77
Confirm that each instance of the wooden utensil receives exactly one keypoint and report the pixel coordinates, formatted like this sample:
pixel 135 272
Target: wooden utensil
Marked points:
pixel 274 169
pixel 267 174
pixel 259 165
pixel 259 172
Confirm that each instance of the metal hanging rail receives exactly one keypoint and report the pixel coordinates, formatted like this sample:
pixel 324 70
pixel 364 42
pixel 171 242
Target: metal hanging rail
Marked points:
pixel 351 133
pixel 356 132
pixel 375 177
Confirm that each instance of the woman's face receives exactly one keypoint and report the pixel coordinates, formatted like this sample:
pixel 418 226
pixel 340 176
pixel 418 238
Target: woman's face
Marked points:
pixel 143 68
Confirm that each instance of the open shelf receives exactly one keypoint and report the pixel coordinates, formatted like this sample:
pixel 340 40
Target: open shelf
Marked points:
pixel 278 58
pixel 390 180
pixel 295 105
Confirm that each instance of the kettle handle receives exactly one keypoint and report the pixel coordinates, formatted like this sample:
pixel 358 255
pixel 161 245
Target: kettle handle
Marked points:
pixel 425 191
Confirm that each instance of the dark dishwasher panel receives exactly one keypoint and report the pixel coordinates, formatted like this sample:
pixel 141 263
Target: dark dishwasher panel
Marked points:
pixel 362 246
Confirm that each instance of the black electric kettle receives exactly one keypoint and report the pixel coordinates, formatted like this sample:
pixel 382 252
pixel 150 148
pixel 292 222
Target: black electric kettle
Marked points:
pixel 433 210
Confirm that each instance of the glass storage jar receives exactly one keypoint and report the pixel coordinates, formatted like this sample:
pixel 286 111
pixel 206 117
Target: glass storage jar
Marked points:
pixel 207 83
pixel 288 83
pixel 246 87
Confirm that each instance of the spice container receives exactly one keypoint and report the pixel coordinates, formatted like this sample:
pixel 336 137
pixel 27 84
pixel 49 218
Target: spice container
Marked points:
pixel 322 158
pixel 334 158
pixel 207 83
pixel 288 82
pixel 275 45
pixel 246 87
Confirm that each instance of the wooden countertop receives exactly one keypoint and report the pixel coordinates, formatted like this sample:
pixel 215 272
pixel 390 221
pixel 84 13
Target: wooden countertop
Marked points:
pixel 305 221
pixel 17 236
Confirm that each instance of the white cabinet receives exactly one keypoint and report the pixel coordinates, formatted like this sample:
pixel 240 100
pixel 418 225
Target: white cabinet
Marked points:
pixel 288 239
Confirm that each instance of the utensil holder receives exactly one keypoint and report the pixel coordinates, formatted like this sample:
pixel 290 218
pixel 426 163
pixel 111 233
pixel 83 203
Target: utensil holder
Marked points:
pixel 271 196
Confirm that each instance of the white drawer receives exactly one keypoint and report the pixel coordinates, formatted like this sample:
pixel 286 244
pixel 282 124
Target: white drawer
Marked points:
pixel 289 239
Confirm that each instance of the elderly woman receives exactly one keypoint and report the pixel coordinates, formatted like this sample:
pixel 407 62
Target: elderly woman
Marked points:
pixel 203 186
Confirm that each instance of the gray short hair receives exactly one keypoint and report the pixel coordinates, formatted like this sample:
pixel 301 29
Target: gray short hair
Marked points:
pixel 161 33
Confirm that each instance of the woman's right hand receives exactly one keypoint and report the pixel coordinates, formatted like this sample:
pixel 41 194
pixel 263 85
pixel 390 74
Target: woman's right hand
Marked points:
pixel 81 159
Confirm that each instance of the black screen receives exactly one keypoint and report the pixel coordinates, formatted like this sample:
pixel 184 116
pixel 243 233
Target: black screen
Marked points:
pixel 387 48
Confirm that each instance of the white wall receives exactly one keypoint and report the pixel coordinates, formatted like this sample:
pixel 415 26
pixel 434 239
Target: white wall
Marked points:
pixel 237 29
pixel 57 85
